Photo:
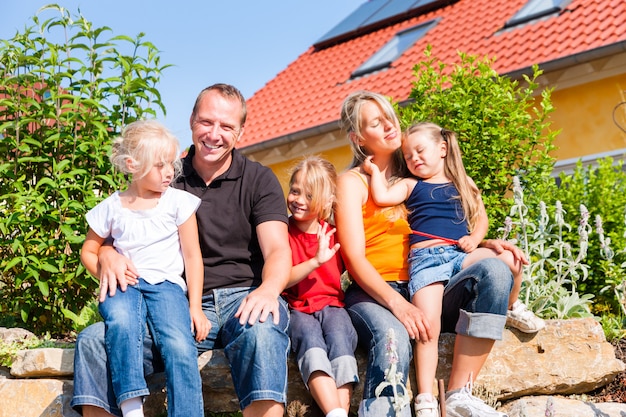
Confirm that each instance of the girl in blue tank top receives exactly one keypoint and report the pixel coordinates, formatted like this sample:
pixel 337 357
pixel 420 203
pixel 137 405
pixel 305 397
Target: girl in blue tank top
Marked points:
pixel 448 222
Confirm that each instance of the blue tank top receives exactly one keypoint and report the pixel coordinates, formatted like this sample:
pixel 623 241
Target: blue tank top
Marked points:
pixel 436 209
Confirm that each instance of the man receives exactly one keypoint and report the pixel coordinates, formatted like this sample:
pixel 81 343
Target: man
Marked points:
pixel 242 224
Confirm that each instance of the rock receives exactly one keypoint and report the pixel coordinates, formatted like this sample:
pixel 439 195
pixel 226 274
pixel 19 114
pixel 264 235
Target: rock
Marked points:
pixel 44 362
pixel 567 357
pixel 14 334
pixel 561 407
pixel 36 398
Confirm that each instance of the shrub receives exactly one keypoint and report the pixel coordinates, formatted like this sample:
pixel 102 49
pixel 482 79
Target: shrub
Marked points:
pixel 601 188
pixel 65 90
pixel 502 129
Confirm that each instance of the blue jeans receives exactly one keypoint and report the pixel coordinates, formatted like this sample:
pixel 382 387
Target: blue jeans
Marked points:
pixel 165 308
pixel 257 354
pixel 325 341
pixel 475 304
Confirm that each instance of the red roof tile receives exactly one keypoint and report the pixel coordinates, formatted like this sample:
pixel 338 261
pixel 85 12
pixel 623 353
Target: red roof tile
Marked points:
pixel 309 92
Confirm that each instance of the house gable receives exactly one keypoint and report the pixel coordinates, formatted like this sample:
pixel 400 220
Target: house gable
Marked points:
pixel 577 43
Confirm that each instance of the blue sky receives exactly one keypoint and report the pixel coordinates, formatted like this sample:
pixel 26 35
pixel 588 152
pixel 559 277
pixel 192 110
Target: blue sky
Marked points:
pixel 241 42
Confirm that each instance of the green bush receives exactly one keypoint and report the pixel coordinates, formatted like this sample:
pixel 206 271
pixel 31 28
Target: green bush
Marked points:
pixel 575 238
pixel 602 189
pixel 502 129
pixel 66 89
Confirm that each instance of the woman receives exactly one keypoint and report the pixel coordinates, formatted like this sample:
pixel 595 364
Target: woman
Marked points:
pixel 377 300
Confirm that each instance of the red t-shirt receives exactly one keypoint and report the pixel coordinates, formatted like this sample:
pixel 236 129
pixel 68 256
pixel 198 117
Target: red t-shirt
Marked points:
pixel 323 286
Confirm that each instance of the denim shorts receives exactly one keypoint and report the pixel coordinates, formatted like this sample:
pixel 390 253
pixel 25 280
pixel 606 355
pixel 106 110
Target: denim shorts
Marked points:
pixel 436 264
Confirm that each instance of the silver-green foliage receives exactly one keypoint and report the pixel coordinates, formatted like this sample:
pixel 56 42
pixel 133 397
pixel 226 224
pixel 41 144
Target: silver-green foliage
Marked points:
pixel 66 88
pixel 556 267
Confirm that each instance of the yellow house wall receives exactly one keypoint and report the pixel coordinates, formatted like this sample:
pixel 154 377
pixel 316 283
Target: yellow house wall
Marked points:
pixel 585 116
pixel 339 157
pixel 583 113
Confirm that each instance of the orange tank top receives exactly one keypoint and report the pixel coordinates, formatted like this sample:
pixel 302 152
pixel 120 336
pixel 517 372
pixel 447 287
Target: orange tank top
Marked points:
pixel 386 252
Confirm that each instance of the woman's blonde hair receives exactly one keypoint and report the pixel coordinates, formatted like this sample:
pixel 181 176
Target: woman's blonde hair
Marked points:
pixel 143 144
pixel 454 169
pixel 319 182
pixel 351 122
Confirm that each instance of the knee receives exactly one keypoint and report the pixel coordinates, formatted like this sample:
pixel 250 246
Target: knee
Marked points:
pixel 118 317
pixel 265 335
pixel 90 336
pixel 178 339
pixel 494 277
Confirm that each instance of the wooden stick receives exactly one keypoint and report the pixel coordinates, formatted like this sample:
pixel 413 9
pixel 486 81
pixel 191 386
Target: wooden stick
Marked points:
pixel 442 398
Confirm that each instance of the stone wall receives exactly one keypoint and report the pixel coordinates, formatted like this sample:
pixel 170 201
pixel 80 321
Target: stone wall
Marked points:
pixel 523 371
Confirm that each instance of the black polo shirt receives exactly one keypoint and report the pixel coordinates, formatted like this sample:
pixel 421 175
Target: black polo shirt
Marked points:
pixel 237 201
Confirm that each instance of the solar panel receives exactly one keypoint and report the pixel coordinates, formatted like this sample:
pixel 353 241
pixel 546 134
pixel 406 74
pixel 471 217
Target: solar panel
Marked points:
pixel 534 9
pixel 373 14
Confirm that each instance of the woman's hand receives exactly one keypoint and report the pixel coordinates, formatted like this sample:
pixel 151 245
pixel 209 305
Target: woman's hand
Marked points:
pixel 500 245
pixel 414 320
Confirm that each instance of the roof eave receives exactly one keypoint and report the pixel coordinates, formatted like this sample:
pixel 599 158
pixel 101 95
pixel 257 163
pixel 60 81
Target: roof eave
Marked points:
pixel 291 137
pixel 571 60
pixel 554 65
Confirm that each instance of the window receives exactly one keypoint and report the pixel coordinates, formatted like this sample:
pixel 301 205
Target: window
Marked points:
pixel 534 9
pixel 393 49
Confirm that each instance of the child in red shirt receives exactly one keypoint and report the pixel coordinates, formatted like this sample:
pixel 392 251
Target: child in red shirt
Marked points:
pixel 321 331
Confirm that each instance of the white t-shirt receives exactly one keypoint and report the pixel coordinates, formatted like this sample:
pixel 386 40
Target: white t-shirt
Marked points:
pixel 149 238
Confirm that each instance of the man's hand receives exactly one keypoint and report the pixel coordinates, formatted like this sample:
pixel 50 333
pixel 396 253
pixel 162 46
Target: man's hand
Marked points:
pixel 259 304
pixel 114 270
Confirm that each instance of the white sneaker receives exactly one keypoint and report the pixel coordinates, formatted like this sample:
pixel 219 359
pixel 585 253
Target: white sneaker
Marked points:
pixel 462 403
pixel 426 406
pixel 524 320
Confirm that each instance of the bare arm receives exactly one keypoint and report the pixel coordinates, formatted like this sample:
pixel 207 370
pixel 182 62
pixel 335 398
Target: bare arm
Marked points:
pixel 324 254
pixel 194 275
pixel 383 194
pixel 89 252
pixel 351 195
pixel 274 242
pixel 105 263
pixel 472 241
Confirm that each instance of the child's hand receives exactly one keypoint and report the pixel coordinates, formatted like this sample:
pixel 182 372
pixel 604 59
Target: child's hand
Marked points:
pixel 324 251
pixel 199 324
pixel 368 166
pixel 467 244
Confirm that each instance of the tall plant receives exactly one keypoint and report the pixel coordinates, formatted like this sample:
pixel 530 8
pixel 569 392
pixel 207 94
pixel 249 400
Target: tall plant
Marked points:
pixel 502 124
pixel 66 88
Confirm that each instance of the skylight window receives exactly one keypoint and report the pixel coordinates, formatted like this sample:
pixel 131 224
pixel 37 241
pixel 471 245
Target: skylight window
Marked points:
pixel 534 9
pixel 393 49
